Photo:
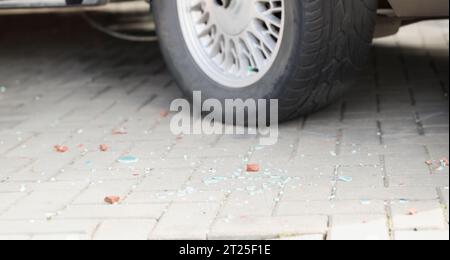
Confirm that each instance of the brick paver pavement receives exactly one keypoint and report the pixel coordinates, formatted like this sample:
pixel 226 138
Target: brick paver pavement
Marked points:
pixel 355 170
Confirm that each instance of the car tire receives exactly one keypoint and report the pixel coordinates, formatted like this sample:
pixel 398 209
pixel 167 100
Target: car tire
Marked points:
pixel 325 44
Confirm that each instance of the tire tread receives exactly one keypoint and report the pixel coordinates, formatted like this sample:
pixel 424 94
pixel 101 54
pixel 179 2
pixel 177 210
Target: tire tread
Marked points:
pixel 334 48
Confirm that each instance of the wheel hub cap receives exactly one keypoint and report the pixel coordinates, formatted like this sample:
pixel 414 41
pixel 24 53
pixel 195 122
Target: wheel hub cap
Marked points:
pixel 235 18
pixel 235 42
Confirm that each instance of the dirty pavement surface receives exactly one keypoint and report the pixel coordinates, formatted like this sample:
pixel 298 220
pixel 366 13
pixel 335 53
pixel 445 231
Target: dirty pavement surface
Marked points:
pixel 86 151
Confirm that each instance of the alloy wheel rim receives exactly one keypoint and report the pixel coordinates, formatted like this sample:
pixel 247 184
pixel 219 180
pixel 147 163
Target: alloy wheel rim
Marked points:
pixel 235 42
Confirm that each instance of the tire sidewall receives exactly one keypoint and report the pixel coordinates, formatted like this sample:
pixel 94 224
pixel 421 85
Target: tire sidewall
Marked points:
pixel 190 77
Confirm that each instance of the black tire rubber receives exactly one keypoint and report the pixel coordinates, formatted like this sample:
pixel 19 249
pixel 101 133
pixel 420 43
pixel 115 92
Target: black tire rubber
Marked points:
pixel 325 44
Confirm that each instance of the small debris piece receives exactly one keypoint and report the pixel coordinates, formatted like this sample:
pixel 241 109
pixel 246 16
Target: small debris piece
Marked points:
pixel 2 89
pixel 112 200
pixel 164 113
pixel 61 148
pixel 412 211
pixel 444 162
pixel 214 180
pixel 128 159
pixel 104 148
pixel 259 148
pixel 253 168
pixel 119 132
pixel 366 202
pixel 345 178
pixel 439 165
pixel 442 165
pixel 252 69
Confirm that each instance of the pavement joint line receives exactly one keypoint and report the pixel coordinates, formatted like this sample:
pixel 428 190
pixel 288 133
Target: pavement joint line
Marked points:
pixel 389 219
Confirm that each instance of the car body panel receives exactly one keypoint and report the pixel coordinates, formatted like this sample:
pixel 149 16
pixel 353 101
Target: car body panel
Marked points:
pixel 420 8
pixel 402 8
pixel 6 4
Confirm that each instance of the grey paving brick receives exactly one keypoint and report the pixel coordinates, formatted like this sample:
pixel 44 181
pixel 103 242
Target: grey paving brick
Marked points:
pixel 359 227
pixel 267 227
pixel 14 237
pixel 182 195
pixel 406 165
pixel 429 215
pixel 419 181
pixel 165 179
pixel 445 192
pixel 186 221
pixel 330 208
pixel 422 235
pixel 8 199
pixel 308 192
pixel 361 176
pixel 393 193
pixel 59 236
pixel 317 237
pixel 244 204
pixel 45 227
pixel 97 191
pixel 151 211
pixel 133 229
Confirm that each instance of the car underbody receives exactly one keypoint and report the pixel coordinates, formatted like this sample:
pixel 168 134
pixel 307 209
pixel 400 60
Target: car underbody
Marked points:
pixel 401 8
pixel 392 13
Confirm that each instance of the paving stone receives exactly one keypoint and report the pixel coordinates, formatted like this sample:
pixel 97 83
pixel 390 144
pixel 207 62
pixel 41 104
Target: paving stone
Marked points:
pixel 151 211
pixel 186 221
pixel 267 227
pixel 330 208
pixel 406 165
pixel 67 236
pixel 419 181
pixel 97 191
pixel 8 199
pixel 359 227
pixel 393 193
pixel 429 215
pixel 167 196
pixel 244 204
pixel 45 227
pixel 134 229
pixel 445 195
pixel 303 238
pixel 365 176
pixel 422 235
pixel 14 237
pixel 165 179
